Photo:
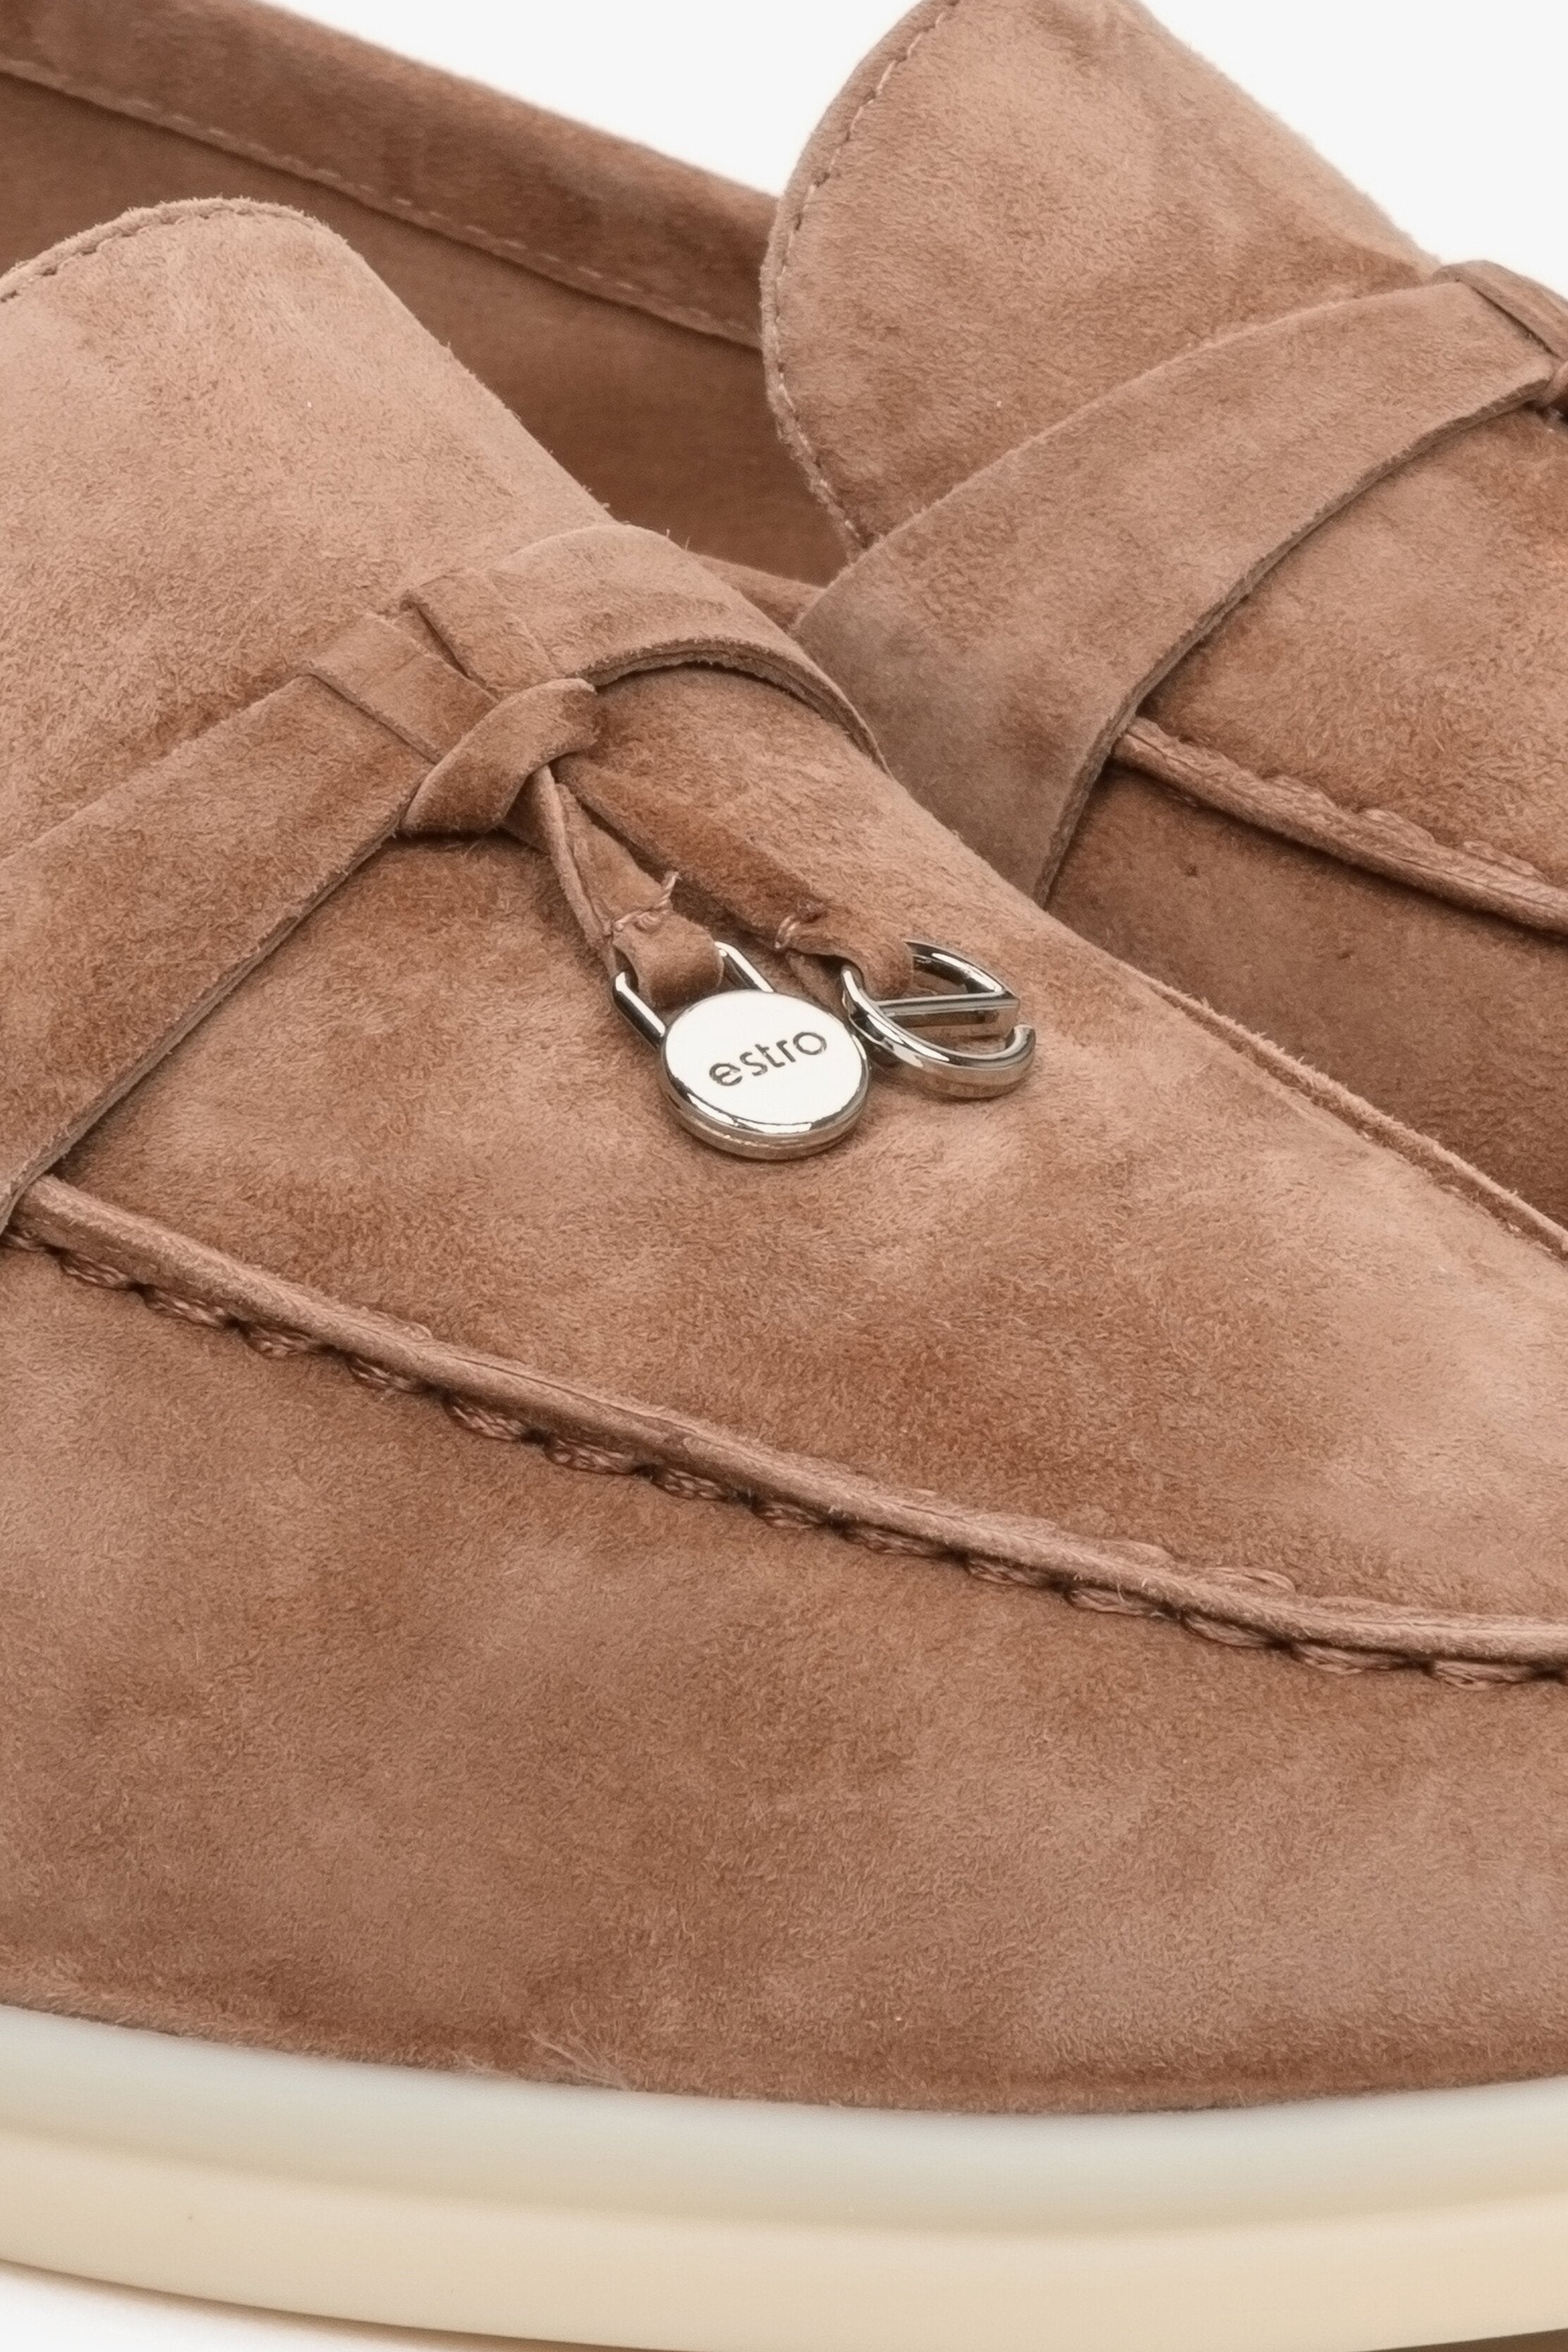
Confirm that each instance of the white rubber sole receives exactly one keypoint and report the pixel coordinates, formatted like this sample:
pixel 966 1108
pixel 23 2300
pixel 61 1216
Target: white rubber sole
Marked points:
pixel 705 2225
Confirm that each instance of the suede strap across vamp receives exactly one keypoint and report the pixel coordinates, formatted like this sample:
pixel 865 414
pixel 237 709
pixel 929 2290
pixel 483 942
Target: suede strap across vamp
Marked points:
pixel 123 925
pixel 1001 640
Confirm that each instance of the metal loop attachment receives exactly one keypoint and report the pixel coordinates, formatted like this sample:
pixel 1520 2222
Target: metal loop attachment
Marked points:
pixel 768 1076
pixel 750 1070
pixel 888 1027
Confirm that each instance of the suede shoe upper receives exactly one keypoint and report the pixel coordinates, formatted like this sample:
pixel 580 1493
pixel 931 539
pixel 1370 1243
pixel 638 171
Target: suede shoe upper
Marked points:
pixel 1157 431
pixel 1058 1601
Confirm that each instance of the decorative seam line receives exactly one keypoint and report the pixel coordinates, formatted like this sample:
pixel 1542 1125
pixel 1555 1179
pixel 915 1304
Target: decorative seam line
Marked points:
pixel 568 1453
pixel 1381 840
pixel 122 231
pixel 505 249
pixel 1441 1168
pixel 805 448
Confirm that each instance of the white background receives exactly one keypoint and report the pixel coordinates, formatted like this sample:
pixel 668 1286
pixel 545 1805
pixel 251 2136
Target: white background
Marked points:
pixel 1449 111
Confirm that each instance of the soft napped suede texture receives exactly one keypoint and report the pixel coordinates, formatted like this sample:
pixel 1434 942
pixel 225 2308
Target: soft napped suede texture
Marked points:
pixel 608 294
pixel 1058 1602
pixel 1045 225
pixel 1206 538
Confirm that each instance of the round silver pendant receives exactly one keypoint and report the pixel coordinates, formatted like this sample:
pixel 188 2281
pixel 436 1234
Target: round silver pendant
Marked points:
pixel 763 1074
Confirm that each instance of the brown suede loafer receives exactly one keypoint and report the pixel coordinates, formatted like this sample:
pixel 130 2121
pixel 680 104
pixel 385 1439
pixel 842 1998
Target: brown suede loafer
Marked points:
pixel 1210 547
pixel 612 1738
pixel 1219 537
pixel 608 294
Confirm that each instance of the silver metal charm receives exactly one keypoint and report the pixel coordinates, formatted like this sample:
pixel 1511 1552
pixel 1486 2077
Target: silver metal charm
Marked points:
pixel 888 1026
pixel 753 1071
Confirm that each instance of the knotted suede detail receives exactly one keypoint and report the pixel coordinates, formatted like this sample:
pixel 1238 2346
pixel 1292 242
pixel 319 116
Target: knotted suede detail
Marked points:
pixel 491 744
pixel 475 787
pixel 608 600
pixel 122 926
pixel 564 605
pixel 1001 640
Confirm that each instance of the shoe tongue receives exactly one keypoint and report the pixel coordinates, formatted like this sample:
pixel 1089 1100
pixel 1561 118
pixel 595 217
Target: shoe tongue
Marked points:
pixel 224 440
pixel 1015 205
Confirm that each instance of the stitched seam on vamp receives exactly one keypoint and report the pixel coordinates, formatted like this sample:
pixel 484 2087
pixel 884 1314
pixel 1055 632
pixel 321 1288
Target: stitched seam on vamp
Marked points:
pixel 40 273
pixel 1145 746
pixel 505 249
pixel 484 1420
pixel 1444 1170
pixel 807 448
